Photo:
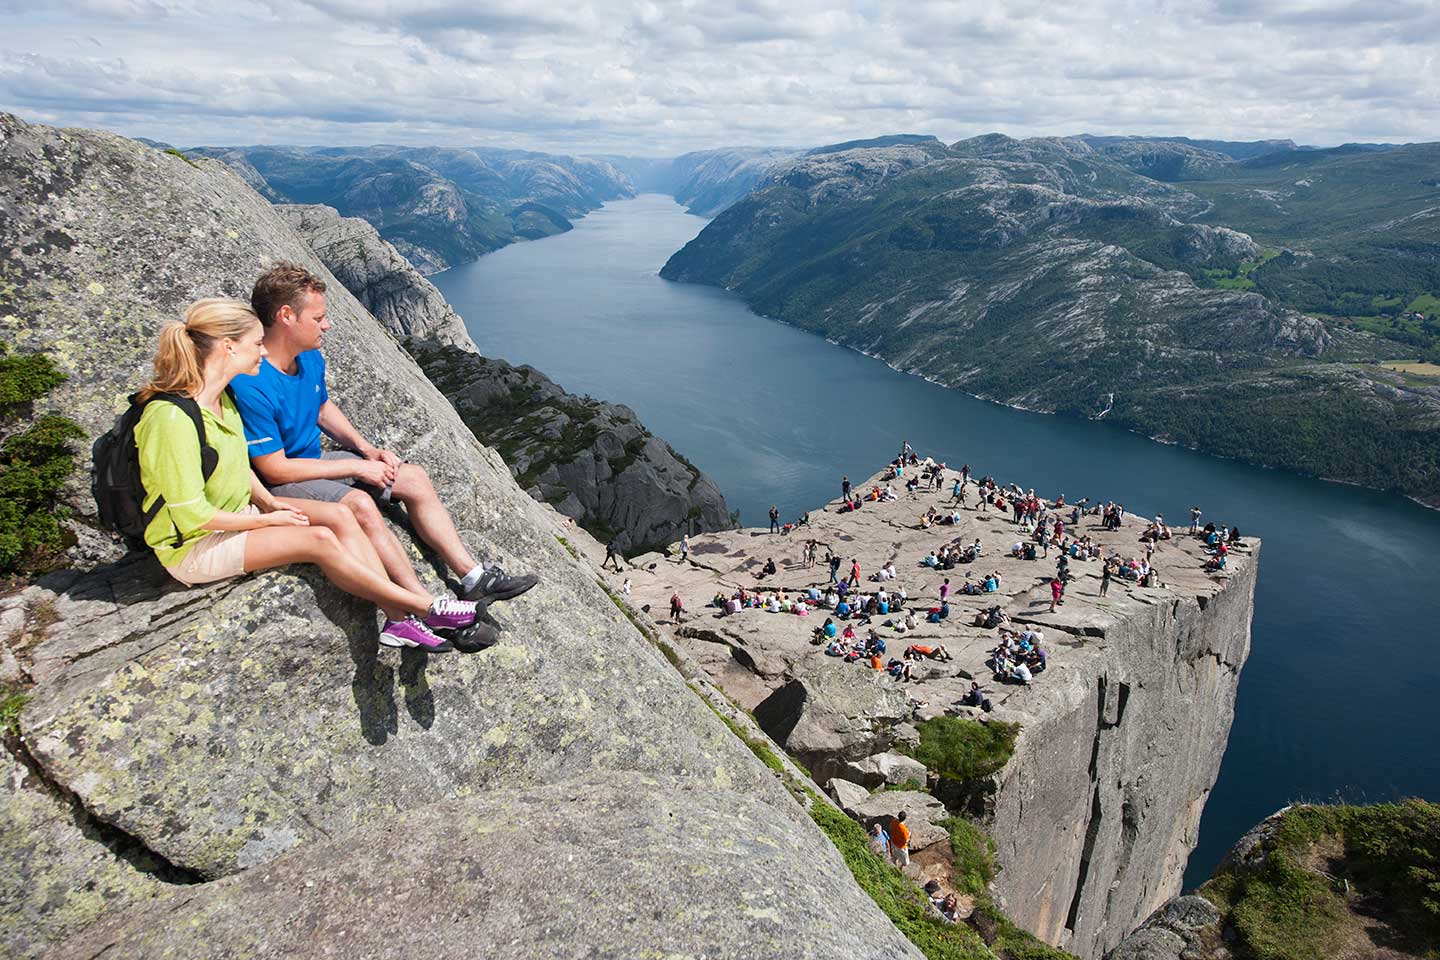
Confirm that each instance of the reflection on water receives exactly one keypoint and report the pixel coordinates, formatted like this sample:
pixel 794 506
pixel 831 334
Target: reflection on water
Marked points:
pixel 1343 672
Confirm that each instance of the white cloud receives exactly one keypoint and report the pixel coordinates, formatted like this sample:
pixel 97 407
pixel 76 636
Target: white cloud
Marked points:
pixel 663 77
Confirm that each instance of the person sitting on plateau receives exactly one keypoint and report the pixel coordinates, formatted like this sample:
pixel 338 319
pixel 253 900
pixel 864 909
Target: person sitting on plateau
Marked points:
pixel 286 406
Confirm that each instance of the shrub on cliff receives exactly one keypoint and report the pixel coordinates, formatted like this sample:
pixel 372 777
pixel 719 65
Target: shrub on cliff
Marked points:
pixel 960 749
pixel 34 463
pixel 1324 866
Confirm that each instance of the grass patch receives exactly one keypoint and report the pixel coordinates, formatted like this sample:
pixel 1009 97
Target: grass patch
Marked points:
pixel 961 749
pixel 176 153
pixel 974 855
pixel 900 899
pixel 11 703
pixel 914 785
pixel 35 460
pixel 569 547
pixel 1418 369
pixel 759 747
pixel 1289 910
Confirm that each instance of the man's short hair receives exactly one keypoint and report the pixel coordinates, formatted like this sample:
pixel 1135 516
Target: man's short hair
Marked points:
pixel 284 284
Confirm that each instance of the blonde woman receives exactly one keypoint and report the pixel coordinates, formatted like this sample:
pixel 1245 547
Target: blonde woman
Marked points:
pixel 229 524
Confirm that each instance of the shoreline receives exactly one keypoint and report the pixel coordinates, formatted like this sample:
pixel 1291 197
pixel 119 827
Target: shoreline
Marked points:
pixel 1050 413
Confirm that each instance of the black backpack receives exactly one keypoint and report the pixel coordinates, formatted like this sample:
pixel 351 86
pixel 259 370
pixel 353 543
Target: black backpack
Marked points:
pixel 115 471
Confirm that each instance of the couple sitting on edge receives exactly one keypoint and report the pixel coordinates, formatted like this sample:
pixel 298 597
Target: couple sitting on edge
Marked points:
pixel 264 495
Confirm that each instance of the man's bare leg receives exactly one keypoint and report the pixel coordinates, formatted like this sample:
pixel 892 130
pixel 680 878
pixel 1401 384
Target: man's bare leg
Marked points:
pixel 430 518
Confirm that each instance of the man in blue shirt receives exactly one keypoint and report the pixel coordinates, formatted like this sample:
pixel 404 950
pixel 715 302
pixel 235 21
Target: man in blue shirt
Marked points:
pixel 286 406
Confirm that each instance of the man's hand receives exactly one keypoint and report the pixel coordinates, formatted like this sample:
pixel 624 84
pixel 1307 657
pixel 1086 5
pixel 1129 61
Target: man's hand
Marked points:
pixel 374 473
pixel 388 458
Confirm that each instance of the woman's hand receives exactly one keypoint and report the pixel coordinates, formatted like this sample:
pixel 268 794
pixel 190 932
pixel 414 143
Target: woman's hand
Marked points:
pixel 284 516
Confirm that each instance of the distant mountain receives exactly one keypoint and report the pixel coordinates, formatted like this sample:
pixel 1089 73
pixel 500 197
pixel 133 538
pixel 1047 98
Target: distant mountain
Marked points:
pixel 1056 274
pixel 438 205
pixel 1234 149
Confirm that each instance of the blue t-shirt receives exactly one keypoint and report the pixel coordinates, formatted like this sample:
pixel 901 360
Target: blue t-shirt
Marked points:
pixel 282 412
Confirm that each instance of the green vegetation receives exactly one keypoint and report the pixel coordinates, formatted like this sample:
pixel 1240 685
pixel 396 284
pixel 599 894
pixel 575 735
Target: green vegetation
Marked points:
pixel 1324 862
pixel 759 747
pixel 974 856
pixel 11 703
pixel 895 894
pixel 1237 278
pixel 569 547
pixel 961 749
pixel 34 464
pixel 176 153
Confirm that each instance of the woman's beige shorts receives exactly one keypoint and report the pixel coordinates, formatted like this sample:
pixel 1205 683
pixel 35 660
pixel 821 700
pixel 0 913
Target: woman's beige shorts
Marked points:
pixel 215 556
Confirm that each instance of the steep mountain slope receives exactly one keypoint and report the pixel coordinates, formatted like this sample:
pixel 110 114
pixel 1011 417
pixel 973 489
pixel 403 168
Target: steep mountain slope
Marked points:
pixel 708 181
pixel 438 205
pixel 1050 275
pixel 247 752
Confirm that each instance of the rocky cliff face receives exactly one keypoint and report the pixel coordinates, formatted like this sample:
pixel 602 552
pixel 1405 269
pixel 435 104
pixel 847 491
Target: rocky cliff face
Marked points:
pixel 1097 814
pixel 384 282
pixel 241 770
pixel 593 461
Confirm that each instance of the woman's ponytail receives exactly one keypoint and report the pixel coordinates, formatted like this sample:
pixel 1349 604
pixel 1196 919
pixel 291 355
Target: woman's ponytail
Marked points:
pixel 186 344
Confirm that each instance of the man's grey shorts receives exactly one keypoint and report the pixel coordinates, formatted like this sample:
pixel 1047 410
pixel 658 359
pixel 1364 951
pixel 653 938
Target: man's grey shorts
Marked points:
pixel 331 491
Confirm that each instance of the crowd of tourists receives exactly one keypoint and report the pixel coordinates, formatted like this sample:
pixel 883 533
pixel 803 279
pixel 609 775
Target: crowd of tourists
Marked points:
pixel 230 477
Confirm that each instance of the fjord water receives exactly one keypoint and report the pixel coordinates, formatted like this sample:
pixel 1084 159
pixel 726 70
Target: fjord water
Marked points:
pixel 1341 695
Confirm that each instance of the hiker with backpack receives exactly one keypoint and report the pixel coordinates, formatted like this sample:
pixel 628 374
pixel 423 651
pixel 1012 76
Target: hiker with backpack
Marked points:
pixel 204 512
pixel 286 406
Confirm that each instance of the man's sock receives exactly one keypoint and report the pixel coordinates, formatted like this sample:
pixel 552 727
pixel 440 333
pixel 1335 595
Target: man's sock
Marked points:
pixel 473 577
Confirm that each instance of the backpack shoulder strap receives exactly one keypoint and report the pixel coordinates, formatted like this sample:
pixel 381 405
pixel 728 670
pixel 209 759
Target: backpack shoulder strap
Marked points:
pixel 209 459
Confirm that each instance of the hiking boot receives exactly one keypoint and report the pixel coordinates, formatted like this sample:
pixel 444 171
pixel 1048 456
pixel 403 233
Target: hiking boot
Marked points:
pixel 412 633
pixel 447 614
pixel 495 585
pixel 476 638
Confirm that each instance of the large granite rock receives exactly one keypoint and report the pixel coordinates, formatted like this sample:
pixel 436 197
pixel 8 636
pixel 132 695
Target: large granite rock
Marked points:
pixel 594 461
pixel 378 276
pixel 571 870
pixel 1186 928
pixel 832 713
pixel 219 729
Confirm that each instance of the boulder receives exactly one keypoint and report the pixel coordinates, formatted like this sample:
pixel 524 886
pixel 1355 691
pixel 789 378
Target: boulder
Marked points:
pixel 833 712
pixel 217 729
pixel 847 795
pixel 1186 928
pixel 922 814
pixel 614 866
pixel 885 768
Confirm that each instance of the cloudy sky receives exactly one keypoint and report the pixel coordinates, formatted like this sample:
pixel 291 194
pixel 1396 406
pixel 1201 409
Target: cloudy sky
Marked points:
pixel 664 77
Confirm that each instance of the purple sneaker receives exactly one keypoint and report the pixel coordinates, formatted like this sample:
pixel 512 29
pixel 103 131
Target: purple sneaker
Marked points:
pixel 412 633
pixel 448 614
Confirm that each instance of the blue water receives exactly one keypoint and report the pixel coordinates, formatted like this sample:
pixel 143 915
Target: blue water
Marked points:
pixel 1339 698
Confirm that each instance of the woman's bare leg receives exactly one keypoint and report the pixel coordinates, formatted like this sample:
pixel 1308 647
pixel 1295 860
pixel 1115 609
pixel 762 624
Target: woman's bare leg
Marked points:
pixel 278 546
pixel 353 539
